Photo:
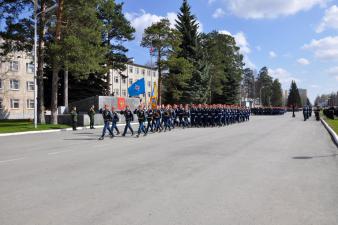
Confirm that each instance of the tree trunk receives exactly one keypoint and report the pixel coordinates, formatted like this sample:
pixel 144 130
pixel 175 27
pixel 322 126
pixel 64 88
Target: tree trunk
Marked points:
pixel 56 66
pixel 54 100
pixel 159 77
pixel 65 93
pixel 41 59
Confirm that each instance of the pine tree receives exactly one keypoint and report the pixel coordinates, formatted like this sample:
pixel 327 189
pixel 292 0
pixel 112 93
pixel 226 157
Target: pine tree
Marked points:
pixel 264 86
pixel 159 36
pixel 277 94
pixel 187 25
pixel 294 97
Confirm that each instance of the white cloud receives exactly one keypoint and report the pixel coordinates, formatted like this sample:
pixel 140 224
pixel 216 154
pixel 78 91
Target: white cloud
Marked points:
pixel 243 44
pixel 303 61
pixel 330 19
pixel 283 76
pixel 218 13
pixel 260 9
pixel 325 48
pixel 211 1
pixel 142 20
pixel 272 54
pixel 315 86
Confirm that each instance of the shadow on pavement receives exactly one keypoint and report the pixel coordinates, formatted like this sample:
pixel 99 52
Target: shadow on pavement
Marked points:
pixel 80 139
pixel 314 157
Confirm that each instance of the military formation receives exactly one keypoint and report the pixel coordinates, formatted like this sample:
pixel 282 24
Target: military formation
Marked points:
pixel 167 117
pixel 268 111
pixel 307 112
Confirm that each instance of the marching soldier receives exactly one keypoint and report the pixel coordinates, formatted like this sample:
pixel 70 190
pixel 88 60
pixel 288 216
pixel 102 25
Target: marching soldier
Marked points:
pixel 129 117
pixel 107 117
pixel 141 115
pixel 115 120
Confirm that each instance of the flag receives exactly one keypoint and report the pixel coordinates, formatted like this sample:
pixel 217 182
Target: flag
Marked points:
pixel 153 99
pixel 137 88
pixel 121 103
pixel 153 51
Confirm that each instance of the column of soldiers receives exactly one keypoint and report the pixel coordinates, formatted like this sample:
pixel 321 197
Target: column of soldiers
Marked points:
pixel 165 118
pixel 268 111
pixel 307 112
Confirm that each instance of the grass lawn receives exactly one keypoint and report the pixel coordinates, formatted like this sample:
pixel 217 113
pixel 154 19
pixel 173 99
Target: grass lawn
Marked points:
pixel 332 123
pixel 12 126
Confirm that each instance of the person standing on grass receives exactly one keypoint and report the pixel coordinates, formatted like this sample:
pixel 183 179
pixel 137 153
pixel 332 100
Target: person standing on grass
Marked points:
pixel 73 115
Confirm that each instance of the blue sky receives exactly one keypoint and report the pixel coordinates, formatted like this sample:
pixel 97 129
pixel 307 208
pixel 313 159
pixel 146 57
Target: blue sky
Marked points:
pixel 295 39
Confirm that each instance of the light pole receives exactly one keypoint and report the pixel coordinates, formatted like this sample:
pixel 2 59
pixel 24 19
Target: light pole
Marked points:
pixel 36 14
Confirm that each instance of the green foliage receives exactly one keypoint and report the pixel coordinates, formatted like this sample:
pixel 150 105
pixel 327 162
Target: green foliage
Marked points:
pixel 176 83
pixel 294 97
pixel 187 25
pixel 277 94
pixel 226 70
pixel 249 83
pixel 264 86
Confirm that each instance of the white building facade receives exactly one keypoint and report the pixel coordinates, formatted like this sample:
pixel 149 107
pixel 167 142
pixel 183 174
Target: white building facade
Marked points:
pixel 17 87
pixel 121 81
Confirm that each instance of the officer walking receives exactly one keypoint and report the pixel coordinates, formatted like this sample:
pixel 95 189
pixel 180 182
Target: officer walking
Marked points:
pixel 141 119
pixel 107 117
pixel 115 120
pixel 129 117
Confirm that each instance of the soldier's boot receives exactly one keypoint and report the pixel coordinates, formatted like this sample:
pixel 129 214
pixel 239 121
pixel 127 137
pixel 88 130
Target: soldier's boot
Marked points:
pixel 101 138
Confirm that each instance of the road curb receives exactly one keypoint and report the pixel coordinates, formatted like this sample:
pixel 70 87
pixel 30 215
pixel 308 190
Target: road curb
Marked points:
pixel 55 130
pixel 331 132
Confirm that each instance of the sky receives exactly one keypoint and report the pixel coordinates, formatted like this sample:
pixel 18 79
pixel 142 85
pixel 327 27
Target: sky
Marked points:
pixel 296 39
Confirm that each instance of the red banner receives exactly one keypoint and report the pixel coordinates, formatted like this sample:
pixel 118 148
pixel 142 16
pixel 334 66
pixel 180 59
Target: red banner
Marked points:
pixel 121 103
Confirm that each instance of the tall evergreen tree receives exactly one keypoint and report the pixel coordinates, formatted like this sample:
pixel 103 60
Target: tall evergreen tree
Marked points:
pixel 249 83
pixel 264 86
pixel 276 94
pixel 187 25
pixel 294 97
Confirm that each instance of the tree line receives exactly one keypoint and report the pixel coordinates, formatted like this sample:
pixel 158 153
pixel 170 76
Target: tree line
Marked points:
pixel 81 40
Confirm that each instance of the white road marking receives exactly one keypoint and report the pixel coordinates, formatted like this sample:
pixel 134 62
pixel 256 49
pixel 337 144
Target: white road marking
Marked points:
pixel 55 153
pixel 11 160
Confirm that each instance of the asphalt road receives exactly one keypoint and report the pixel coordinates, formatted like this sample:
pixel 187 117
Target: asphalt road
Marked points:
pixel 269 171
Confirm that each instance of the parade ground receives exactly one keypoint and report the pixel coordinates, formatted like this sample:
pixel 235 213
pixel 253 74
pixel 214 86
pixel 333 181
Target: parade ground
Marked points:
pixel 273 170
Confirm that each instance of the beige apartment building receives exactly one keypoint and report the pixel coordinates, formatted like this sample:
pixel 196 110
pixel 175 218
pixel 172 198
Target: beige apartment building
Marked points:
pixel 17 87
pixel 121 81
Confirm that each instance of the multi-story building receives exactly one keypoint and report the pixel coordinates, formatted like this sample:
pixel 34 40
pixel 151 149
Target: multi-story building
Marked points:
pixel 17 87
pixel 121 81
pixel 303 95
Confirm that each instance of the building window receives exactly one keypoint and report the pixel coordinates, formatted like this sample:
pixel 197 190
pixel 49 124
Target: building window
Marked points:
pixel 149 94
pixel 124 80
pixel 130 81
pixel 149 83
pixel 29 68
pixel 14 66
pixel 116 92
pixel 15 103
pixel 116 78
pixel 137 70
pixel 154 73
pixel 30 86
pixel 30 104
pixel 143 72
pixel 131 69
pixel 1 103
pixel 148 73
pixel 124 93
pixel 144 95
pixel 14 84
pixel 1 84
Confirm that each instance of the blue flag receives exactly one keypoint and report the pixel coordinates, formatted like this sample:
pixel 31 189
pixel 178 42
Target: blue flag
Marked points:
pixel 137 88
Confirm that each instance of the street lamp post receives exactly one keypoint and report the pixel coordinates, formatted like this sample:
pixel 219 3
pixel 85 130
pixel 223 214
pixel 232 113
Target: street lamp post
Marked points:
pixel 260 95
pixel 36 14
